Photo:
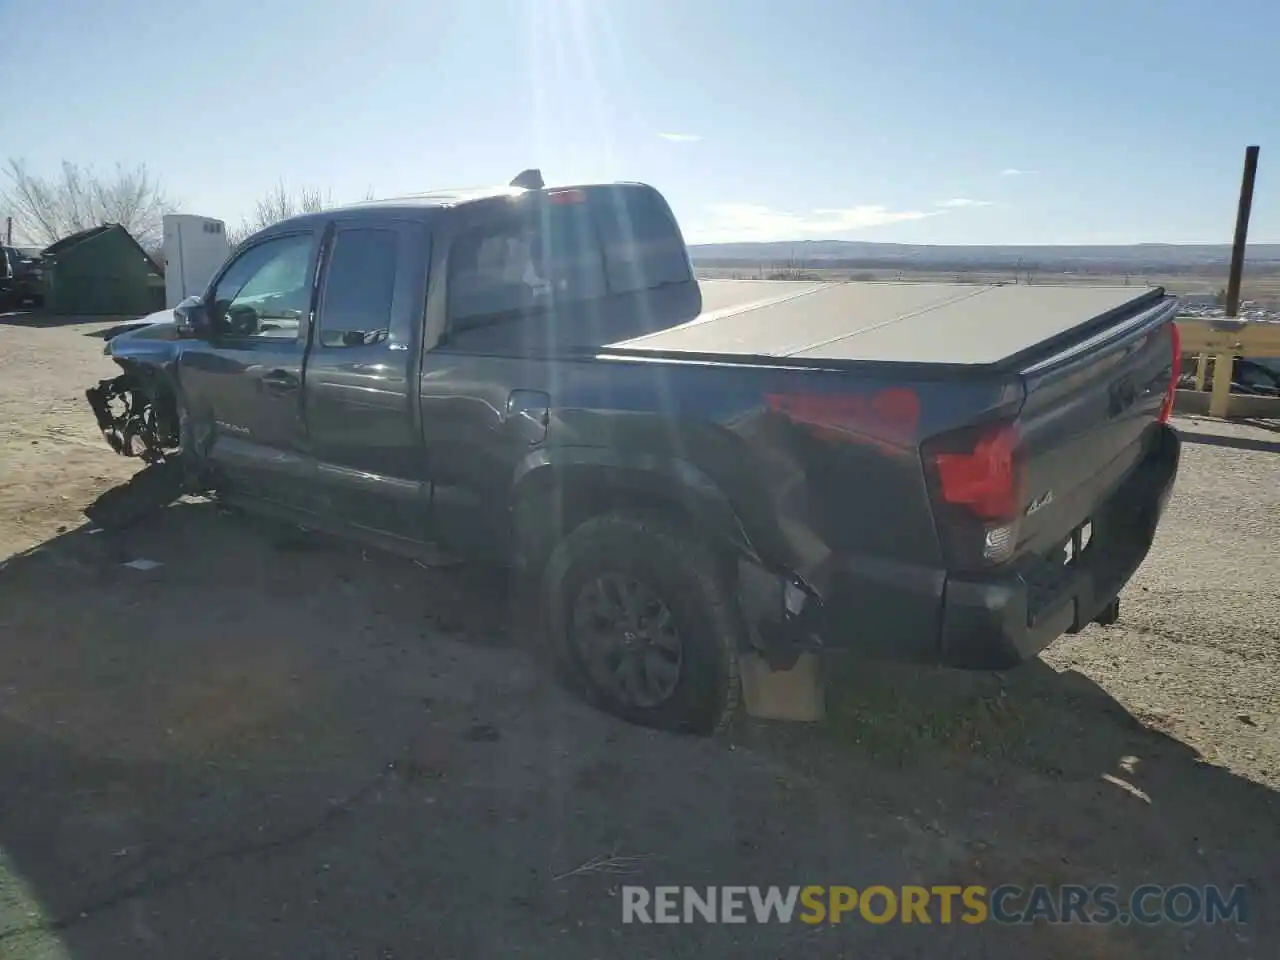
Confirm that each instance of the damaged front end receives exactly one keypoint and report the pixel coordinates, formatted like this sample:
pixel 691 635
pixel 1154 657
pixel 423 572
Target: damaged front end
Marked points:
pixel 136 418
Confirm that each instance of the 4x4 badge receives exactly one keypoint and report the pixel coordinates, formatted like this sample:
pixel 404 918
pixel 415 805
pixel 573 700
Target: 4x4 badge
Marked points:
pixel 1040 502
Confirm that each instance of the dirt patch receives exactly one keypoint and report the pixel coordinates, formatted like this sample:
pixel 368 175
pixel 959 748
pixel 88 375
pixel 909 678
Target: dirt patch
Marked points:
pixel 277 745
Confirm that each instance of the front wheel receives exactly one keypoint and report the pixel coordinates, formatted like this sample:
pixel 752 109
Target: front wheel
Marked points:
pixel 643 622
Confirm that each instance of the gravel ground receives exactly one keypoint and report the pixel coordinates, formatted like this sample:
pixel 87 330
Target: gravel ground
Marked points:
pixel 277 746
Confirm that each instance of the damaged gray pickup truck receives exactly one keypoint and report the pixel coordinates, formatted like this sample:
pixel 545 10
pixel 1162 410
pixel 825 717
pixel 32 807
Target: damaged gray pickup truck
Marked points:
pixel 685 472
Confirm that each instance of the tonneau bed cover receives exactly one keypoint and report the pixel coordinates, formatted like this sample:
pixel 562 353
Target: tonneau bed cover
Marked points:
pixel 920 323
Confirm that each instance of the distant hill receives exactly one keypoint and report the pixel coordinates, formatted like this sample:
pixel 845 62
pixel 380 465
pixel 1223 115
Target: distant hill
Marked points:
pixel 1177 257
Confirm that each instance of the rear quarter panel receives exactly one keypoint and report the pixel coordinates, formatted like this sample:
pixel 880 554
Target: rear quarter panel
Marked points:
pixel 802 490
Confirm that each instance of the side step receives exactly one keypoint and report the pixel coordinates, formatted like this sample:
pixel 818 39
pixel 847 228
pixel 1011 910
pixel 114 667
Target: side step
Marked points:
pixel 425 553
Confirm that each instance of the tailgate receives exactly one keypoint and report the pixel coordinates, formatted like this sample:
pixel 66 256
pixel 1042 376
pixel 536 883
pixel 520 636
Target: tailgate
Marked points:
pixel 1090 414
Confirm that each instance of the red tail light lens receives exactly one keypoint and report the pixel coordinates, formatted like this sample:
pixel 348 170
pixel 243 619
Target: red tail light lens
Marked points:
pixel 980 473
pixel 1166 411
pixel 975 479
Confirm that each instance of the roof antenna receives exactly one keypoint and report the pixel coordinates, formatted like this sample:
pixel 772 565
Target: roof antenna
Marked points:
pixel 530 179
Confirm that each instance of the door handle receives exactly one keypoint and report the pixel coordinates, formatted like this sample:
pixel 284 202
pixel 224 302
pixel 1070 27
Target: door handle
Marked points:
pixel 530 412
pixel 279 381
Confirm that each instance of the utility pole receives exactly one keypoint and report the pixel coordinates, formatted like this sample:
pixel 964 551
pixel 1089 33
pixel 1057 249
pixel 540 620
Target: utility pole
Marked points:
pixel 1224 362
pixel 1242 231
pixel 8 231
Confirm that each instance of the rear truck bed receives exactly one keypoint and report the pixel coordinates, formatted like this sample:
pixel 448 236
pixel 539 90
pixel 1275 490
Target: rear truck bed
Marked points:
pixel 940 324
pixel 1029 423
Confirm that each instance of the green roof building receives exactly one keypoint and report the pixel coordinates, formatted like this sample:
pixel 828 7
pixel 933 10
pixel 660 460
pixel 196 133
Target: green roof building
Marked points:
pixel 102 270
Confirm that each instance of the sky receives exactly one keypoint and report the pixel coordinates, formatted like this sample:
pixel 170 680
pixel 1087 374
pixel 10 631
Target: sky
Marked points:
pixel 985 121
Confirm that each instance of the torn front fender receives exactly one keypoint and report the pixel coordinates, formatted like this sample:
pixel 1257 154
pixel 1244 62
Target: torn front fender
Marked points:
pixel 135 418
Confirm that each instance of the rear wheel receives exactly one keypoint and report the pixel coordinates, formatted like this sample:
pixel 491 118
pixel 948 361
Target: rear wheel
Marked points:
pixel 643 622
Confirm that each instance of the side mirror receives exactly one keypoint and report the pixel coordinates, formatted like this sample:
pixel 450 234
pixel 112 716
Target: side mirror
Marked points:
pixel 192 319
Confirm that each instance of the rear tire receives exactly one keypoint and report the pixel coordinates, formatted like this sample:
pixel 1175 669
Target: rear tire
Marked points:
pixel 643 623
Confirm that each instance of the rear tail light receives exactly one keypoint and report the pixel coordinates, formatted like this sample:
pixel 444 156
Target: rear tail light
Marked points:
pixel 980 475
pixel 976 482
pixel 1166 410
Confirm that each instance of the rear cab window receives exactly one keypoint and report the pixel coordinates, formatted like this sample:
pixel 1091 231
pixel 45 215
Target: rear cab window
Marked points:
pixel 561 248
pixel 643 248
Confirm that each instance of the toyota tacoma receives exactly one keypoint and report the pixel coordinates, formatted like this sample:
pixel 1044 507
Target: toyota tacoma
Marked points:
pixel 685 472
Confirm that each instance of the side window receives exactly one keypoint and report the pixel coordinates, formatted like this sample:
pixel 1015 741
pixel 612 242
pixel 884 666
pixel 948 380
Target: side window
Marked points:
pixel 265 291
pixel 359 287
pixel 524 261
pixel 642 244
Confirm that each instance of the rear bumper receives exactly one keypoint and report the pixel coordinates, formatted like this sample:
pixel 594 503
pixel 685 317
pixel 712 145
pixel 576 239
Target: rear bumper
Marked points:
pixel 1003 621
pixel 913 613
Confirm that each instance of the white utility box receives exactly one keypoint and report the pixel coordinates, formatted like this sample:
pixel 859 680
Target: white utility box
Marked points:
pixel 194 249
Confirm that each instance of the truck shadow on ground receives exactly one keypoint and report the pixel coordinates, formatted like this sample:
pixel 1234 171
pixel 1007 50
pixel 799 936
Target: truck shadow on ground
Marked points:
pixel 251 744
pixel 1044 776
pixel 239 692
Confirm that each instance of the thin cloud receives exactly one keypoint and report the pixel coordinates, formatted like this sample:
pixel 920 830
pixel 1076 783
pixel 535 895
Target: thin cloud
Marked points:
pixel 745 222
pixel 1011 172
pixel 958 203
pixel 681 137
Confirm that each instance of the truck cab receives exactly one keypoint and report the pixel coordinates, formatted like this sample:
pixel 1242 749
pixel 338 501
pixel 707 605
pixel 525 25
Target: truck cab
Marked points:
pixel 323 370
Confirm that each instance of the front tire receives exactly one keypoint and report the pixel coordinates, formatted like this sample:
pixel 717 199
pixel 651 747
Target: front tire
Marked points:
pixel 643 622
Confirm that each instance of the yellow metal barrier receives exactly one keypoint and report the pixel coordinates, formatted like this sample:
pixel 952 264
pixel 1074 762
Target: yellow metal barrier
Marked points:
pixel 1224 340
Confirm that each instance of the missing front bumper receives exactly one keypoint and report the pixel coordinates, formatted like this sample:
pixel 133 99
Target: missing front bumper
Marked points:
pixel 131 421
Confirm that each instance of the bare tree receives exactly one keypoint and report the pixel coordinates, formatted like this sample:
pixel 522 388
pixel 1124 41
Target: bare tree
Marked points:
pixel 46 209
pixel 279 204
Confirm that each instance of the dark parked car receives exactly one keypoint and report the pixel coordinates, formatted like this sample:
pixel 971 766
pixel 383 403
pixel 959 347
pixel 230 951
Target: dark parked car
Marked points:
pixel 1259 376
pixel 21 278
pixel 944 472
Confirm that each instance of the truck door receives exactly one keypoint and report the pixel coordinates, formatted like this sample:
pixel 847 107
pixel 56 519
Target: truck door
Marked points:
pixel 246 379
pixel 361 410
